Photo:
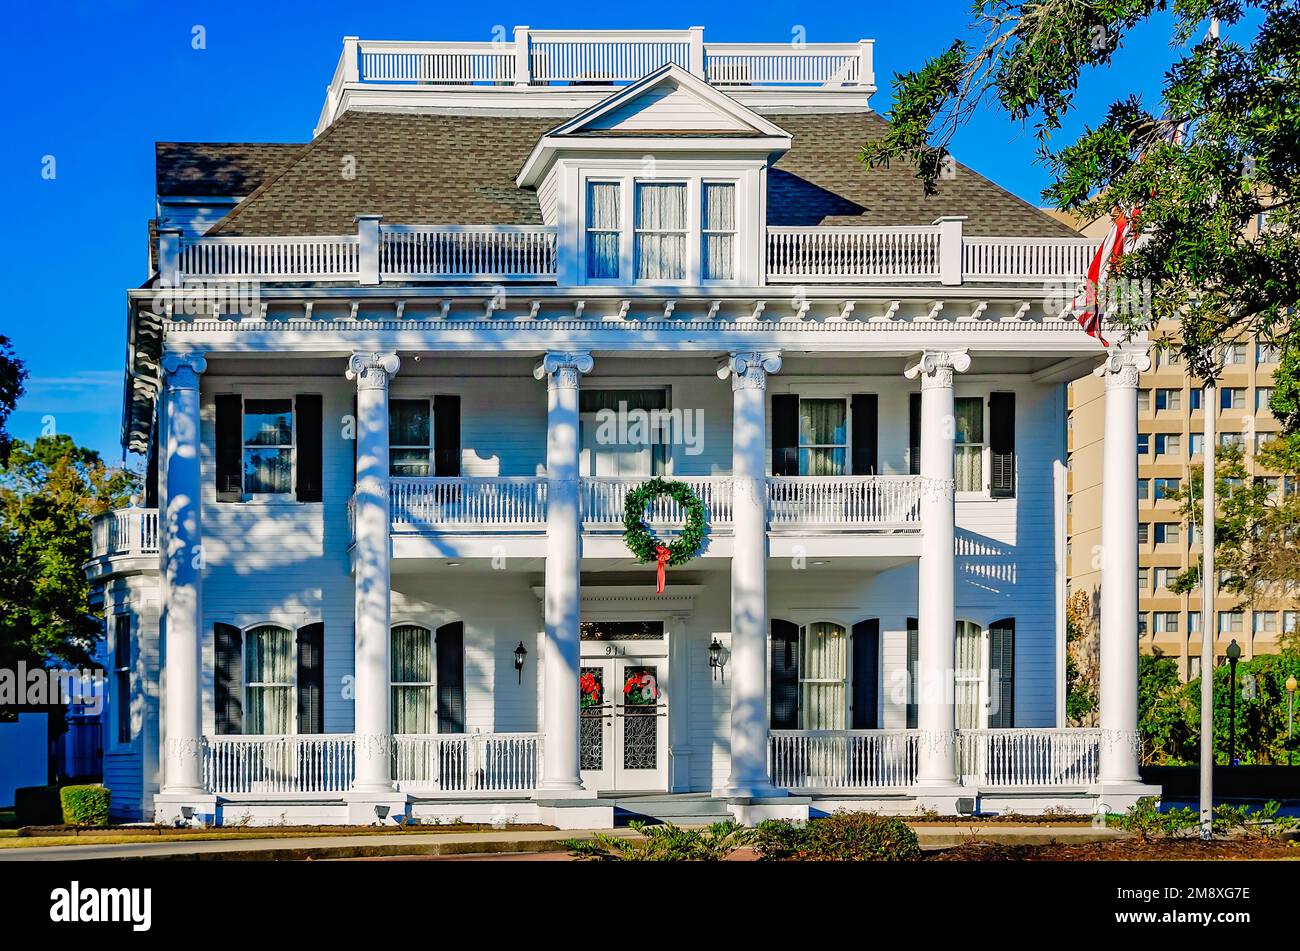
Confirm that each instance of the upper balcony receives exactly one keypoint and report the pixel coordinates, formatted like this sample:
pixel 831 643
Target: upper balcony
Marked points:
pixel 529 58
pixel 124 539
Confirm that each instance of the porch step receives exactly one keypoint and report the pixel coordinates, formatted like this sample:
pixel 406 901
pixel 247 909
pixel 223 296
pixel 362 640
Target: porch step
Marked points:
pixel 682 809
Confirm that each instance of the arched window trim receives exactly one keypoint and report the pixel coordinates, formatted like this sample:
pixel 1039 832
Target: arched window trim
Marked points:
pixel 249 685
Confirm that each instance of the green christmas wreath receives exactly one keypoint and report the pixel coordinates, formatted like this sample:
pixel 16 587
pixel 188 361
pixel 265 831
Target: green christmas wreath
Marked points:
pixel 642 543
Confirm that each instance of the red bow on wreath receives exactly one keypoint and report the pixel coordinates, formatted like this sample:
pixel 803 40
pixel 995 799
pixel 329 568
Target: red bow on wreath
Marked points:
pixel 661 567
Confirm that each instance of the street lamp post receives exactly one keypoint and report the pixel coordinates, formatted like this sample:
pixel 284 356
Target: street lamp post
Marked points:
pixel 1234 655
pixel 1290 710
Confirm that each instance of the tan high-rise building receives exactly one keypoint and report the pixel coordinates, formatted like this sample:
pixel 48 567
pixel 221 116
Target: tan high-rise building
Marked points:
pixel 1170 436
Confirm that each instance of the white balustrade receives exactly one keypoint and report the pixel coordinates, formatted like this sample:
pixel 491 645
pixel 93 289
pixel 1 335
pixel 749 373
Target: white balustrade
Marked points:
pixel 882 502
pixel 437 63
pixel 290 258
pixel 124 532
pixel 604 56
pixel 842 759
pixel 1028 757
pixel 798 255
pixel 604 499
pixel 322 763
pixel 1022 259
pixel 468 762
pixel 497 502
pixel 781 64
pixel 467 252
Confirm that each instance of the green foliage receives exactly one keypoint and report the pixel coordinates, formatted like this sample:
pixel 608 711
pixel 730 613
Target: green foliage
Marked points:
pixel 1167 717
pixel 638 537
pixel 85 806
pixel 12 376
pixel 49 492
pixel 663 843
pixel 840 837
pixel 37 806
pixel 1220 149
pixel 1145 820
pixel 1080 662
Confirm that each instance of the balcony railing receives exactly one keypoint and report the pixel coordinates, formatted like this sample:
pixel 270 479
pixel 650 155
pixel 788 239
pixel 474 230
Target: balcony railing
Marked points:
pixel 469 763
pixel 471 253
pixel 124 532
pixel 832 760
pixel 518 503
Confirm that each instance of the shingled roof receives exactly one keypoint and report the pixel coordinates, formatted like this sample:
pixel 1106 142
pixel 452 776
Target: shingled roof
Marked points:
pixel 226 169
pixel 460 169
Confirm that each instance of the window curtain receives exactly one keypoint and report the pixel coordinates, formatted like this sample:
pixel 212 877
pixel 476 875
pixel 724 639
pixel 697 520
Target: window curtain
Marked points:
pixel 969 437
pixel 719 231
pixel 268 672
pixel 822 437
pixel 822 669
pixel 412 679
pixel 409 426
pixel 661 231
pixel 602 229
pixel 969 675
pixel 268 424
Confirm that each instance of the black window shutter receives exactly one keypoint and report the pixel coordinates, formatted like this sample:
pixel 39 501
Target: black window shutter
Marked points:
pixel 785 435
pixel 450 643
pixel 866 429
pixel 866 674
pixel 913 653
pixel 1002 673
pixel 230 423
pixel 914 434
pixel 311 678
pixel 785 675
pixel 310 447
pixel 446 435
pixel 1002 445
pixel 229 679
pixel 356 437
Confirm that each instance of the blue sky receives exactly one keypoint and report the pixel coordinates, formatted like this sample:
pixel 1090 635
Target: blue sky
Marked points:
pixel 95 84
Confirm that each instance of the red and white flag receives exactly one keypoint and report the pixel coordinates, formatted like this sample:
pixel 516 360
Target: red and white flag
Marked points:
pixel 1088 304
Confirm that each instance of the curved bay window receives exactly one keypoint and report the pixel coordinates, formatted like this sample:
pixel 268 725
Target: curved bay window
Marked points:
pixel 268 680
pixel 412 679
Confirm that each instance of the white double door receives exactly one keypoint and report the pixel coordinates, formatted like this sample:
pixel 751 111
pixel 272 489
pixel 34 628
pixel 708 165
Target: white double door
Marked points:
pixel 623 728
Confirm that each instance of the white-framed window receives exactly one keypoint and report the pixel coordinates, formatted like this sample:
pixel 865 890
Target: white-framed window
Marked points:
pixel 1196 444
pixel 1234 353
pixel 1232 397
pixel 1194 398
pixel 1166 533
pixel 604 229
pixel 1169 444
pixel 823 676
pixel 1290 622
pixel 1166 487
pixel 1193 622
pixel 1267 353
pixel 1144 401
pixel 661 230
pixel 414 701
pixel 1142 623
pixel 1262 396
pixel 1144 444
pixel 1262 440
pixel 718 230
pixel 268 446
pixel 1166 622
pixel 410 437
pixel 1264 622
pixel 1144 579
pixel 1164 576
pixel 823 437
pixel 1231 441
pixel 1144 489
pixel 1231 622
pixel 122 654
pixel 1169 399
pixel 1144 533
pixel 269 666
pixel 969 443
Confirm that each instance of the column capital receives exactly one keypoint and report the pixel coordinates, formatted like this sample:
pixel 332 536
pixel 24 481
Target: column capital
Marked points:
pixel 182 370
pixel 1123 366
pixel 935 367
pixel 748 369
pixel 564 367
pixel 372 369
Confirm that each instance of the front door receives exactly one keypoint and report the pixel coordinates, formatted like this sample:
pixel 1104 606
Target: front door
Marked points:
pixel 623 731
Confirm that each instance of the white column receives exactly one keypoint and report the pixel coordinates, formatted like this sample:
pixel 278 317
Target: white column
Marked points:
pixel 1119 586
pixel 936 596
pixel 562 607
pixel 182 576
pixel 371 553
pixel 748 666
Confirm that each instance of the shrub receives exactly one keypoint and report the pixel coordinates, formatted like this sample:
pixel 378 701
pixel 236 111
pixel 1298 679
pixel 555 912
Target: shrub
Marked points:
pixel 840 837
pixel 85 805
pixel 37 806
pixel 663 843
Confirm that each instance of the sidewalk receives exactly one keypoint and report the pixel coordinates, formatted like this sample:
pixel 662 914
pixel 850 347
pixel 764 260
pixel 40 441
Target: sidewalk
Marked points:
pixel 382 845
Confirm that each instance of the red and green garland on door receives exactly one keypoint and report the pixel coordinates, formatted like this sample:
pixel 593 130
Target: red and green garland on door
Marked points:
pixel 642 542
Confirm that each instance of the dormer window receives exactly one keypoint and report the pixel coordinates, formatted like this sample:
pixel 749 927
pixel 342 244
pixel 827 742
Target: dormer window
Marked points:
pixel 661 231
pixel 719 230
pixel 604 230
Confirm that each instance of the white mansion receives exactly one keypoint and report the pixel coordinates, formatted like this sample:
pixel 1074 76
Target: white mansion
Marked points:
pixel 395 386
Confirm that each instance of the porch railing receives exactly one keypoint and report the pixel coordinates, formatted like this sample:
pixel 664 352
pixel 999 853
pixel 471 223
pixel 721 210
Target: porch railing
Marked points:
pixel 124 532
pixel 1017 757
pixel 466 252
pixel 468 762
pixel 1020 259
pixel 291 258
pixel 813 254
pixel 323 763
pixel 605 497
pixel 876 502
pixel 843 759
pixel 480 502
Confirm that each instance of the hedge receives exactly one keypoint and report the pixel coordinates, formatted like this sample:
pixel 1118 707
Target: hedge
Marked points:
pixel 85 805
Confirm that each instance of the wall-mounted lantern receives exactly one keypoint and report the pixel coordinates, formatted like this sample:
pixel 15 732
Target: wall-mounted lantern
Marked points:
pixel 521 653
pixel 716 661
